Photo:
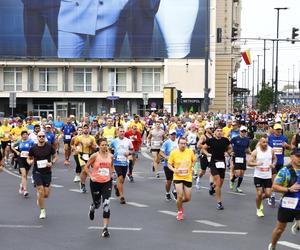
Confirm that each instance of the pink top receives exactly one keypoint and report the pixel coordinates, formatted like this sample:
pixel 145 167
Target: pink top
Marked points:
pixel 102 168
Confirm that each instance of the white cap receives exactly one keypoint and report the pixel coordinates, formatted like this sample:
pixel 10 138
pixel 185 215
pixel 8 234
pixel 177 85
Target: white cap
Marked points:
pixel 208 125
pixel 242 128
pixel 172 131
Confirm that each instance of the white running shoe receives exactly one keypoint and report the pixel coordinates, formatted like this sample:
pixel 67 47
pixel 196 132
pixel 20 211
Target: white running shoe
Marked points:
pixel 43 213
pixel 76 179
pixel 20 189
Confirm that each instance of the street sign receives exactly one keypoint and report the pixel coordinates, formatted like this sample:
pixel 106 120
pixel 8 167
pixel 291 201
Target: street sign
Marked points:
pixel 113 98
pixel 12 100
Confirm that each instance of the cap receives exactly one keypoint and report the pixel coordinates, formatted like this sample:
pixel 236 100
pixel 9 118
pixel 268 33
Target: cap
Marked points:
pixel 207 126
pixel 48 126
pixel 296 152
pixel 243 128
pixel 277 126
pixel 172 131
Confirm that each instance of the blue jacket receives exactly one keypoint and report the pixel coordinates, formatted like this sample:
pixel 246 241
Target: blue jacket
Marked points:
pixel 88 16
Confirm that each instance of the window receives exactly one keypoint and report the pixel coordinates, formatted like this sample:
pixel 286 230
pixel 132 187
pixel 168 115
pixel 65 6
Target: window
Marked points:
pixel 151 80
pixel 117 80
pixel 82 79
pixel 12 79
pixel 48 79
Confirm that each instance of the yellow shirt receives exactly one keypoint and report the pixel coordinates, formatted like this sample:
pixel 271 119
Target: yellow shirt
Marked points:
pixel 226 131
pixel 139 126
pixel 6 131
pixel 172 126
pixel 183 163
pixel 109 134
pixel 86 143
pixel 16 133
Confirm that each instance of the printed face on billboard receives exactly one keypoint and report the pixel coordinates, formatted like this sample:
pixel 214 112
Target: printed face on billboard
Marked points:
pixel 103 28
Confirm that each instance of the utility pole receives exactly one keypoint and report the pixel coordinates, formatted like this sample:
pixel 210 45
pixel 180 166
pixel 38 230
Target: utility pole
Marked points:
pixel 253 83
pixel 264 69
pixel 257 86
pixel 288 90
pixel 293 83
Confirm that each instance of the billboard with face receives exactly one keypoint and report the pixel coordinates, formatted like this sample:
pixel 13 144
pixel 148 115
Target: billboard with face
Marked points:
pixel 103 29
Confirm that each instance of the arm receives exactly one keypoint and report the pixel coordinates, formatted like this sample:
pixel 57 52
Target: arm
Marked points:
pixel 274 159
pixel 293 142
pixel 252 160
pixel 205 147
pixel 88 164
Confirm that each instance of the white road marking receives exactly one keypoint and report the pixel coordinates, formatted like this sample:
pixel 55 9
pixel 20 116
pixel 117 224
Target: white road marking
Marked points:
pixel 136 204
pixel 229 192
pixel 219 232
pixel 56 186
pixel 118 228
pixel 146 155
pixel 167 212
pixel 204 187
pixel 75 190
pixel 21 226
pixel 210 223
pixel 155 178
pixel 289 244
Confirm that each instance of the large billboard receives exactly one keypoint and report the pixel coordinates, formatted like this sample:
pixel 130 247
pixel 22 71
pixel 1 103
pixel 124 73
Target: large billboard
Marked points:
pixel 103 28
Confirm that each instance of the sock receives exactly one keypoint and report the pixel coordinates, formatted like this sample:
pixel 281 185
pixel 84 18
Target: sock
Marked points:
pixel 220 203
pixel 240 180
pixel 233 178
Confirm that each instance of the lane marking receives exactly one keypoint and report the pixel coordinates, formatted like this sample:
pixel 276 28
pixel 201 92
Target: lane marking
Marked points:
pixel 135 204
pixel 75 190
pixel 230 192
pixel 289 244
pixel 219 232
pixel 146 155
pixel 21 226
pixel 118 228
pixel 56 186
pixel 167 212
pixel 11 173
pixel 210 223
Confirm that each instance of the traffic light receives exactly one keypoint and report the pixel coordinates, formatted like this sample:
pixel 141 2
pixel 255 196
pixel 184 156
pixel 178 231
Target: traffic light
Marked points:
pixel 294 34
pixel 179 96
pixel 219 35
pixel 234 34
pixel 233 83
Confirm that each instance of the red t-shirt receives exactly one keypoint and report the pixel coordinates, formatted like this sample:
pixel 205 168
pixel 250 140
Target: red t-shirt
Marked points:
pixel 136 139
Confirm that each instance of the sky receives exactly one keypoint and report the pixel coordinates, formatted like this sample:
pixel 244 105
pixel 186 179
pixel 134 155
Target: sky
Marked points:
pixel 259 19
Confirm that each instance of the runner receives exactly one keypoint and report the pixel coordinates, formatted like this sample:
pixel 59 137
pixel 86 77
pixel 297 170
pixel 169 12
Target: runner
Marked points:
pixel 101 182
pixel 109 131
pixel 75 151
pixel 122 147
pixel 34 135
pixel 287 182
pixel 181 161
pixel 43 156
pixel 263 159
pixel 155 140
pixel 58 125
pixel 50 136
pixel 21 148
pixel 6 141
pixel 295 143
pixel 165 151
pixel 67 130
pixel 86 144
pixel 240 149
pixel 218 146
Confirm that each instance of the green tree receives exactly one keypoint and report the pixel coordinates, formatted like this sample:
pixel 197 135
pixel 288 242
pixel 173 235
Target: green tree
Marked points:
pixel 265 98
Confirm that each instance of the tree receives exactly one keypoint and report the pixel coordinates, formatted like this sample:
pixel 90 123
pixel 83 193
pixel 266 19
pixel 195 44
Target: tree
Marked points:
pixel 265 98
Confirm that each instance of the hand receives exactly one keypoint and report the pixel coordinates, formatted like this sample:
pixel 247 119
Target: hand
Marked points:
pixel 208 155
pixel 49 164
pixel 272 166
pixel 92 178
pixel 295 188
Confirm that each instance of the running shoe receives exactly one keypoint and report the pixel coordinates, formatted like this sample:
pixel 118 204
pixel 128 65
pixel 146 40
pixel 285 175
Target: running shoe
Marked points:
pixel 174 193
pixel 20 189
pixel 153 169
pixel 211 191
pixel 76 179
pixel 82 188
pixel 92 212
pixel 168 197
pixel 220 206
pixel 122 200
pixel 105 233
pixel 179 215
pixel 261 205
pixel 270 247
pixel 198 183
pixel 231 185
pixel 116 191
pixel 43 213
pixel 157 175
pixel 271 201
pixel 130 178
pixel 238 190
pixel 295 228
pixel 25 194
pixel 259 213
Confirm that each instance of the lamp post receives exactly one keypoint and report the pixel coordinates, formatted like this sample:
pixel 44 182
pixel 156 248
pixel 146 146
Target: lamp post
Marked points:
pixel 276 67
pixel 257 84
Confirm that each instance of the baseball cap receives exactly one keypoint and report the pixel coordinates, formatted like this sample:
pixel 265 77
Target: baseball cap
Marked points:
pixel 243 128
pixel 172 131
pixel 296 152
pixel 207 126
pixel 277 126
pixel 48 126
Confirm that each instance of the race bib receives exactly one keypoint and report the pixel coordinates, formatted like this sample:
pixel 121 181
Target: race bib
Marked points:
pixel 68 137
pixel 220 164
pixel 103 172
pixel 278 151
pixel 6 135
pixel 24 154
pixel 156 143
pixel 85 157
pixel 183 171
pixel 121 158
pixel 42 163
pixel 208 158
pixel 289 202
pixel 239 160
pixel 264 169
pixel 298 145
pixel 193 147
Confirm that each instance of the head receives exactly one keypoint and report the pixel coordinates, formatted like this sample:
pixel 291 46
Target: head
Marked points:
pixel 182 144
pixel 172 134
pixel 79 131
pixel 218 132
pixel 85 129
pixel 295 158
pixel 243 131
pixel 19 123
pixel 58 118
pixel 68 120
pixel 179 124
pixel 136 118
pixel 103 145
pixel 36 128
pixel 94 123
pixel 48 128
pixel 41 137
pixel 263 142
pixel 229 123
pixel 134 129
pixel 24 135
pixel 109 122
pixel 121 133
pixel 277 130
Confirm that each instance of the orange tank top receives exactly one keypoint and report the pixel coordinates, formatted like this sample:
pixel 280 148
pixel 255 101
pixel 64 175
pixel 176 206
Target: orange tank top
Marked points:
pixel 102 169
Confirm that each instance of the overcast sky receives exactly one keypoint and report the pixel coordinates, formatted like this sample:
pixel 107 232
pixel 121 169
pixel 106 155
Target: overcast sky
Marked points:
pixel 259 19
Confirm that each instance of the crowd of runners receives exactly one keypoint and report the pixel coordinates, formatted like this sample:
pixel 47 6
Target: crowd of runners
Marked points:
pixel 189 147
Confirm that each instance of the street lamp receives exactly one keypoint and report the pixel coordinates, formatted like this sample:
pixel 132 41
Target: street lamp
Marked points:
pixel 276 67
pixel 257 83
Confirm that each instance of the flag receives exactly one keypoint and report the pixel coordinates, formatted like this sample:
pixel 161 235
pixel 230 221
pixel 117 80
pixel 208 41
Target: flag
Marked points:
pixel 247 57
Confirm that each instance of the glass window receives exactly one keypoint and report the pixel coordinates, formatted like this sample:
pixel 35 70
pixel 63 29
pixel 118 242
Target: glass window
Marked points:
pixel 82 79
pixel 117 80
pixel 151 80
pixel 48 79
pixel 12 79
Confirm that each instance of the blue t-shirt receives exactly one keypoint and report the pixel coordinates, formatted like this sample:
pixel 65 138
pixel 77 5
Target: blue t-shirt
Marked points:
pixel 24 145
pixel 68 129
pixel 276 143
pixel 240 145
pixel 167 147
pixel 179 132
pixel 30 127
pixel 58 124
pixel 121 148
pixel 234 133
pixel 50 137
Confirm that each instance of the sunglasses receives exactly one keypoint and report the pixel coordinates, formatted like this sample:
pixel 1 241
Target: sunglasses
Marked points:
pixel 41 136
pixel 243 131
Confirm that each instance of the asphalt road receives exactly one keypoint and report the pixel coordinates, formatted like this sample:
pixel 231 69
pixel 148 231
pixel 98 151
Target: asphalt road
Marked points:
pixel 147 221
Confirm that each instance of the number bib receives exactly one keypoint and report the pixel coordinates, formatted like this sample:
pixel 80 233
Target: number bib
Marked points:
pixel 24 154
pixel 6 135
pixel 278 151
pixel 239 160
pixel 156 144
pixel 42 163
pixel 183 171
pixel 103 172
pixel 289 202
pixel 220 164
pixel 68 137
pixel 298 145
pixel 193 147
pixel 85 157
pixel 121 158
